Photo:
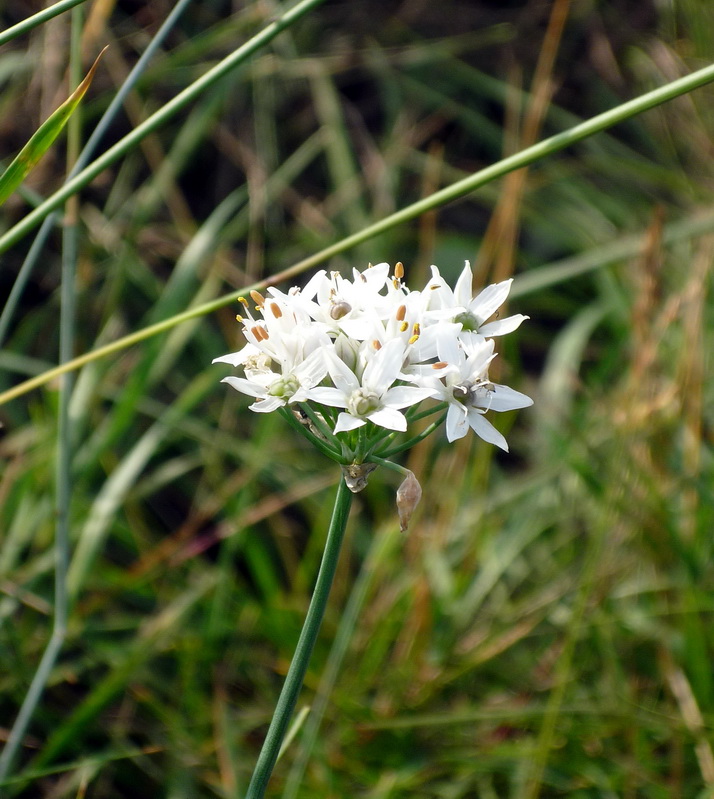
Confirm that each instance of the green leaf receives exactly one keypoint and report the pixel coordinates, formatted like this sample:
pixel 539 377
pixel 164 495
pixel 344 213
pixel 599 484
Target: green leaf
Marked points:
pixel 42 140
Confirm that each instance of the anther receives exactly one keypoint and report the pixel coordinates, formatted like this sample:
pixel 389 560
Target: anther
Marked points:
pixel 399 270
pixel 275 308
pixel 340 309
pixel 404 326
pixel 257 298
pixel 401 312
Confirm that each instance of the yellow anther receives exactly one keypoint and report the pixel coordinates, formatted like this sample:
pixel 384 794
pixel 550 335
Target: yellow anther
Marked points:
pixel 403 327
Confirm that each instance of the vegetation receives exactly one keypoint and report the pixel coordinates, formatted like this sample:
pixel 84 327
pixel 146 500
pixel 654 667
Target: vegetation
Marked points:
pixel 545 627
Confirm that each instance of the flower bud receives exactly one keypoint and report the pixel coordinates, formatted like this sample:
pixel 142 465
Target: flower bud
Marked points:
pixel 408 496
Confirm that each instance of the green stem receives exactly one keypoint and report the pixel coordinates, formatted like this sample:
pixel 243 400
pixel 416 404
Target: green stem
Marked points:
pixel 318 443
pixel 37 19
pixel 63 471
pixel 427 431
pixel 395 467
pixel 308 636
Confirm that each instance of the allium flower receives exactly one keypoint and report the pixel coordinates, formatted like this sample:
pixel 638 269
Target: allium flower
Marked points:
pixel 372 349
pixel 473 313
pixel 470 393
pixel 373 397
pixel 275 389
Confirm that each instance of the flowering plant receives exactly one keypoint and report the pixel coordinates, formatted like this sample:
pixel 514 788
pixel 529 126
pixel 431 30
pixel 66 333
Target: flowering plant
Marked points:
pixel 348 363
pixel 374 350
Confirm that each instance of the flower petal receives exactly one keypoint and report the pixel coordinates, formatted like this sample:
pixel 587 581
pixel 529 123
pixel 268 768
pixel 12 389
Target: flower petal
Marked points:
pixel 345 421
pixel 502 326
pixel 504 398
pixel 389 418
pixel 326 395
pixel 463 290
pixel 490 299
pixel 403 396
pixel 384 366
pixel 485 430
pixel 245 386
pixel 457 424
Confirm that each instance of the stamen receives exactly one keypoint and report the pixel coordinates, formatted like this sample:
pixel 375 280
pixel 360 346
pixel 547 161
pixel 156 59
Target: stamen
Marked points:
pixel 239 318
pixel 258 298
pixel 275 308
pixel 404 326
pixel 399 270
pixel 376 345
pixel 439 365
pixel 260 332
pixel 243 301
pixel 401 312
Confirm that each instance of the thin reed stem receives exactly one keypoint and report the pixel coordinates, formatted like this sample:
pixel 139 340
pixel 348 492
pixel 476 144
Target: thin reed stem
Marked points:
pixel 37 19
pixel 63 470
pixel 313 620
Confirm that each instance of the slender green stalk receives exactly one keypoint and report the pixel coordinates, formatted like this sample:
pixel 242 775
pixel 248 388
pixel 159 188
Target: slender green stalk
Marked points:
pixel 63 471
pixel 528 156
pixel 158 118
pixel 395 467
pixel 37 19
pixel 381 546
pixel 308 636
pixel 427 431
pixel 324 446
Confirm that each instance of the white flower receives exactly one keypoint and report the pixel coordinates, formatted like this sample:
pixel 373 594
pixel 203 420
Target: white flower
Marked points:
pixel 374 397
pixel 469 393
pixel 274 390
pixel 472 313
pixel 346 306
pixel 373 348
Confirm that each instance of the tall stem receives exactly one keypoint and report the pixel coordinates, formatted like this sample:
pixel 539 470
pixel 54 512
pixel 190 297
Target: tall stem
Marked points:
pixel 303 651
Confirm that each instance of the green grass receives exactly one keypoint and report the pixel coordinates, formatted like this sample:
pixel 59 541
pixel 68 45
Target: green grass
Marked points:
pixel 545 627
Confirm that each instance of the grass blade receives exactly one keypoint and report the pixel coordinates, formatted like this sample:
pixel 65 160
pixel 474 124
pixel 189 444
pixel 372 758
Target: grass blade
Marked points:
pixel 44 137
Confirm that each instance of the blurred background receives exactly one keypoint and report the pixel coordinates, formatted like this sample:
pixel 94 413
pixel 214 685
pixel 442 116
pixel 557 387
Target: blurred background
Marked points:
pixel 545 627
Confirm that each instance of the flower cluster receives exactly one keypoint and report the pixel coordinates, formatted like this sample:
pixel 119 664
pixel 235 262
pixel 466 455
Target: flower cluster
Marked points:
pixel 367 351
